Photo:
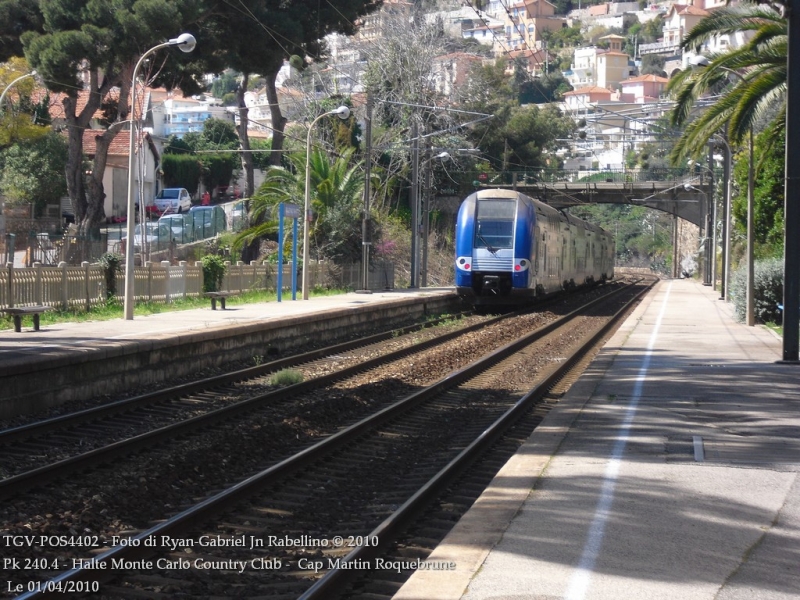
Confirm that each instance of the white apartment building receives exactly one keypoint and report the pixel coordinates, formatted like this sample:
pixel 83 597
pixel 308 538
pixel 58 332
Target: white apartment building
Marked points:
pixel 178 115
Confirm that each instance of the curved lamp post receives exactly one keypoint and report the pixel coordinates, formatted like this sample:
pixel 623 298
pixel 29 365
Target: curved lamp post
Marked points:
pixel 186 43
pixel 8 87
pixel 343 112
pixel 703 61
pixel 425 197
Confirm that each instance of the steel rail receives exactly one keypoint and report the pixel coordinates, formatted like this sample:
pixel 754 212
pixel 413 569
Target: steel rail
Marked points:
pixel 47 473
pixel 209 507
pixel 334 580
pixel 11 435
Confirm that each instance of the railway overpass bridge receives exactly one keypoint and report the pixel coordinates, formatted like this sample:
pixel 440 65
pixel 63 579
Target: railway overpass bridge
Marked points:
pixel 676 192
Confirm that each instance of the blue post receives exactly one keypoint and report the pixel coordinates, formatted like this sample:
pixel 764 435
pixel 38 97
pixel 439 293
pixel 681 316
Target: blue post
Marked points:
pixel 281 211
pixel 294 260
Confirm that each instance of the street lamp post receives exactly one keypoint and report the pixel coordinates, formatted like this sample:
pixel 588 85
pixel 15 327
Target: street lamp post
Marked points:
pixel 726 220
pixel 186 43
pixel 343 112
pixel 2 220
pixel 426 214
pixel 8 87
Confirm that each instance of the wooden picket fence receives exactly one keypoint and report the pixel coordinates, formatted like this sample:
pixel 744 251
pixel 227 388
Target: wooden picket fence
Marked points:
pixel 66 287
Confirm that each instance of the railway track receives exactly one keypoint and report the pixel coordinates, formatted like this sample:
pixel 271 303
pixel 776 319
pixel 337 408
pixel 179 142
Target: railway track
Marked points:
pixel 39 452
pixel 361 484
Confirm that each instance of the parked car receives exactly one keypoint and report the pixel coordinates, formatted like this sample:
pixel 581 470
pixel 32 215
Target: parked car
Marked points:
pixel 180 225
pixel 173 200
pixel 157 236
pixel 207 221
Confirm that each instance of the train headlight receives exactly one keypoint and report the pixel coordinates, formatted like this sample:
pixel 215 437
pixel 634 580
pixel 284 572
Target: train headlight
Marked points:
pixel 521 264
pixel 464 263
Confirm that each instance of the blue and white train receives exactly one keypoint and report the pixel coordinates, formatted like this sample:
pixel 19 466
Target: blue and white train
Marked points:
pixel 512 249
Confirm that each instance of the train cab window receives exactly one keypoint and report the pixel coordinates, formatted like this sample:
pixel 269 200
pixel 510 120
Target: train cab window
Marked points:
pixel 494 227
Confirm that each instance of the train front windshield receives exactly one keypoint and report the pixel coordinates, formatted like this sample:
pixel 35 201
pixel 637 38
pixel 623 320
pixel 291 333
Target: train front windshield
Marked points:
pixel 494 229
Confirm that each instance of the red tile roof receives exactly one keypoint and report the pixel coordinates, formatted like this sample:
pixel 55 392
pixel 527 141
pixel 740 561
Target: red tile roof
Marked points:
pixel 118 146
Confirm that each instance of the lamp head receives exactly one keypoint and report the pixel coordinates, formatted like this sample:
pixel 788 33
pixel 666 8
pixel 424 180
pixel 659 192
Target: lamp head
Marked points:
pixel 698 60
pixel 184 41
pixel 442 155
pixel 343 112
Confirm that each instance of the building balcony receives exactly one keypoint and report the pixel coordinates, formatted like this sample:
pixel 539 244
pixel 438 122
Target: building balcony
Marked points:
pixel 659 48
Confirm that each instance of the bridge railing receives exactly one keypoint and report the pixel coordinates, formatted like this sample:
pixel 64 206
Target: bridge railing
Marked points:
pixel 552 176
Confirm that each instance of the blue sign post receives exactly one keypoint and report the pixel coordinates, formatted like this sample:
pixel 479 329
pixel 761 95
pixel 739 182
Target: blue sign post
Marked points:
pixel 292 211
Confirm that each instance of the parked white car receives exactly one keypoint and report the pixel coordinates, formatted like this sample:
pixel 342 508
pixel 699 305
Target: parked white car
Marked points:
pixel 173 200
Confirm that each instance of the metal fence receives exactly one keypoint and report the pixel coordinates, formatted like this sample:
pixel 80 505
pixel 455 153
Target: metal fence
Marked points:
pixel 85 286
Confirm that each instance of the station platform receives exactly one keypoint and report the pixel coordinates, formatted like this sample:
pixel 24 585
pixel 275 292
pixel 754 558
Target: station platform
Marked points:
pixel 71 335
pixel 668 471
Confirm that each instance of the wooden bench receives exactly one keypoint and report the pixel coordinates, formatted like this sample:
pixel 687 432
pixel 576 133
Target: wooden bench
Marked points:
pixel 20 312
pixel 219 296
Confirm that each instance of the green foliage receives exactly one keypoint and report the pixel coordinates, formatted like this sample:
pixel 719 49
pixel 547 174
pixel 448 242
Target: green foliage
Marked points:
pixel 176 145
pixel 181 170
pixel 20 118
pixel 565 37
pixel 653 64
pixel 541 90
pixel 643 235
pixel 219 134
pixel 286 377
pixel 517 137
pixel 213 272
pixel 33 171
pixel 750 79
pixel 768 194
pixel 112 264
pixel 344 132
pixel 767 290
pixel 651 31
pixel 336 196
pixel 214 169
pixel 225 84
pixel 261 159
pixel 218 169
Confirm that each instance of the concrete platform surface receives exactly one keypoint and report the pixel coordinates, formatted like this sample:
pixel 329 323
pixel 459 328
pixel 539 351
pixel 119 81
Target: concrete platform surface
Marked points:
pixel 669 471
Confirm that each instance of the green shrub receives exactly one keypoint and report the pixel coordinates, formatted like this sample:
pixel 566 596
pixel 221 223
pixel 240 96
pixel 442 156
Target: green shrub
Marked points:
pixel 286 377
pixel 182 170
pixel 767 290
pixel 213 272
pixel 112 264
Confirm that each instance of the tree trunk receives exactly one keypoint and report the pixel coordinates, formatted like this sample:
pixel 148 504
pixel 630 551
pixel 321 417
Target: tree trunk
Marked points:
pixel 244 140
pixel 278 120
pixel 95 209
pixel 86 209
pixel 74 167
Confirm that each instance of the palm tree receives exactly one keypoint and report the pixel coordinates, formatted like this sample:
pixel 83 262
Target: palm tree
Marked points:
pixel 336 189
pixel 759 91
